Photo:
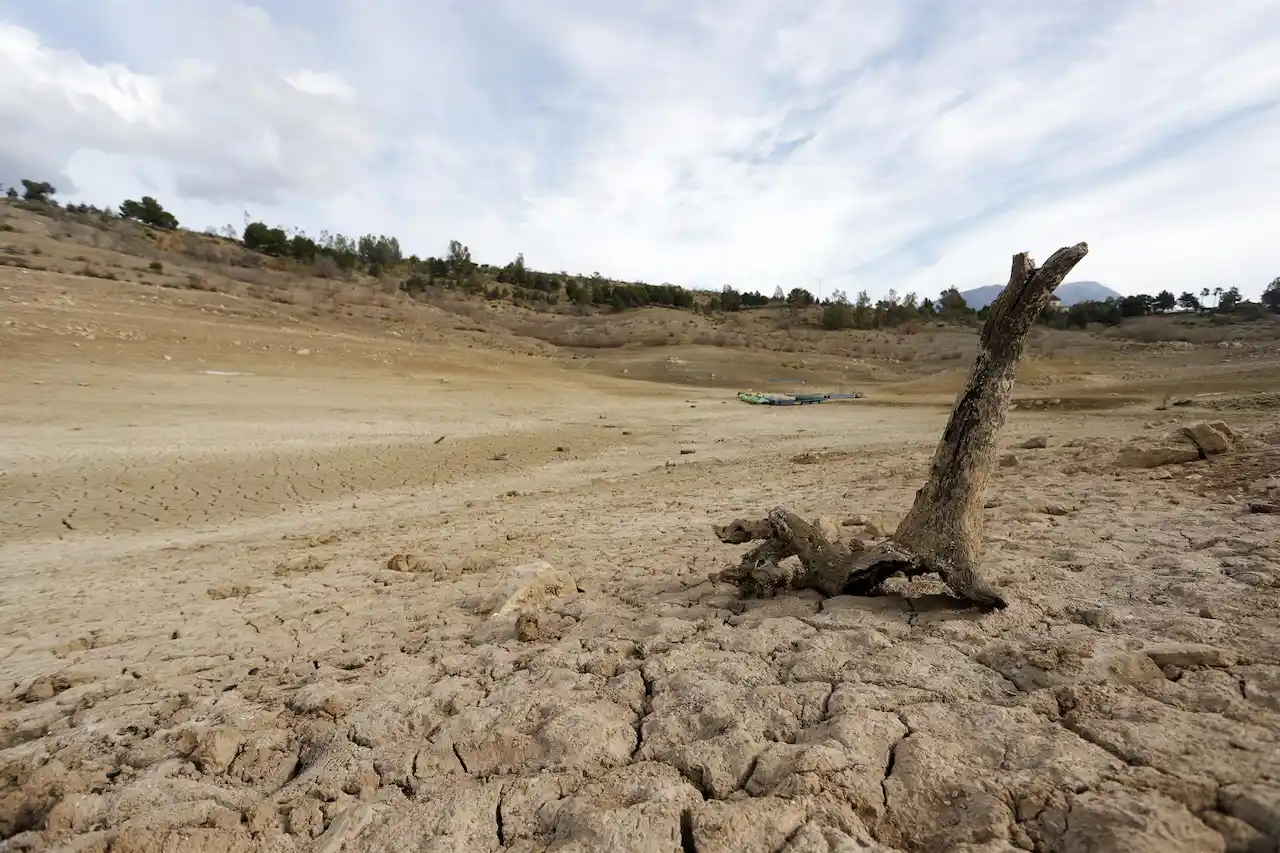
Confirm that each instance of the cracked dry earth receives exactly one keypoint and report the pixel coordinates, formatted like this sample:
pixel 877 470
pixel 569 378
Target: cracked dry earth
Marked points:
pixel 225 662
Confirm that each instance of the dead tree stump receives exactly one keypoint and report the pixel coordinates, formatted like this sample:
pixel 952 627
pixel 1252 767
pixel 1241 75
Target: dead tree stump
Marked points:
pixel 942 532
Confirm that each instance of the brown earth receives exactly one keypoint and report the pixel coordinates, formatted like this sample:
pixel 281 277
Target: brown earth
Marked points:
pixel 248 557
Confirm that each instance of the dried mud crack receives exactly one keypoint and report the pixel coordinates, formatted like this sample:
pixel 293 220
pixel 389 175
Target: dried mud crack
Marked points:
pixel 687 842
pixel 870 719
pixel 889 764
pixel 499 828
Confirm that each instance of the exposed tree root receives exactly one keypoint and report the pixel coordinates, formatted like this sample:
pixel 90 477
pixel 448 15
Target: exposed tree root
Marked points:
pixel 942 533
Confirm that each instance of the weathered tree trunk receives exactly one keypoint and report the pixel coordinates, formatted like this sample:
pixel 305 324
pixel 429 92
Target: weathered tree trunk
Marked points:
pixel 942 532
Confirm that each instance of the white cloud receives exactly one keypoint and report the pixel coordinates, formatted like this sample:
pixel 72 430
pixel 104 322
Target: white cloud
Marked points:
pixel 216 131
pixel 927 142
pixel 321 84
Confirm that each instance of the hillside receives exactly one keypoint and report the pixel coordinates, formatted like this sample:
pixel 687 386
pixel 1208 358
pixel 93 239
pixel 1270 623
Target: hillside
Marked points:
pixel 366 280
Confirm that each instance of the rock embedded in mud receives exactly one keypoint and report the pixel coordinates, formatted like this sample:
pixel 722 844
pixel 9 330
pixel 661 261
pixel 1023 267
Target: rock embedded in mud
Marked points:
pixel 1168 452
pixel 1038 442
pixel 877 527
pixel 1188 655
pixel 531 585
pixel 1188 444
pixel 828 527
pixel 39 690
pixel 1212 438
pixel 404 563
pixel 216 749
pixel 527 626
pixel 528 588
pixel 221 593
pixel 47 686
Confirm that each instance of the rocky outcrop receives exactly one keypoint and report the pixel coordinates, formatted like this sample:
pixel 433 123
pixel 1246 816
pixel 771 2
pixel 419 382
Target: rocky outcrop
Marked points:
pixel 1187 444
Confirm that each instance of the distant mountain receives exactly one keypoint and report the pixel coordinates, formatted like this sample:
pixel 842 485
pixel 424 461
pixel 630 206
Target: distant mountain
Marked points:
pixel 981 297
pixel 1070 293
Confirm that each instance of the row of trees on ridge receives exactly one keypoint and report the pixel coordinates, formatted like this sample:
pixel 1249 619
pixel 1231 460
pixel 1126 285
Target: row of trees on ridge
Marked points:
pixel 381 256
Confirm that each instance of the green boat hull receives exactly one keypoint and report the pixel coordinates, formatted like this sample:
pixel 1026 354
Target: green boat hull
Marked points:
pixel 757 399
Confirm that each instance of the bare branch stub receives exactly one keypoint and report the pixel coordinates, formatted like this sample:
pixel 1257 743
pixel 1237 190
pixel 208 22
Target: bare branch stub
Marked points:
pixel 942 532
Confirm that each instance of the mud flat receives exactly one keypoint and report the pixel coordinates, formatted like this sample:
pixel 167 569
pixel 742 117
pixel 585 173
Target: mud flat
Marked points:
pixel 257 613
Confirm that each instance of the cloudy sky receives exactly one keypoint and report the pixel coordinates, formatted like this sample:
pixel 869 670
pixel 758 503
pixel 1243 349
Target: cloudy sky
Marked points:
pixel 861 144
